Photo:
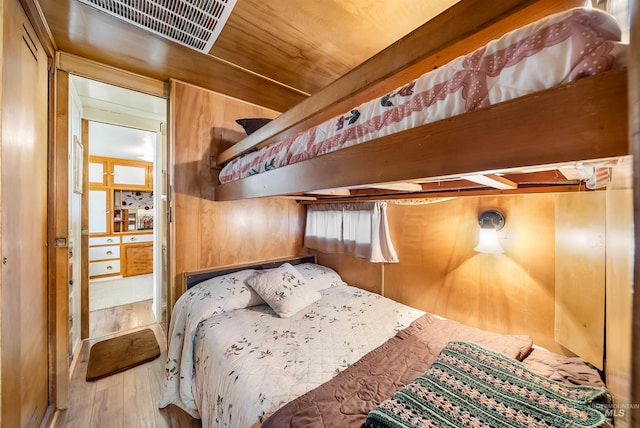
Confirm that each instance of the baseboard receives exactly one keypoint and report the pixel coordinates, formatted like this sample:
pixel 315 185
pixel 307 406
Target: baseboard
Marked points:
pixel 50 417
pixel 75 359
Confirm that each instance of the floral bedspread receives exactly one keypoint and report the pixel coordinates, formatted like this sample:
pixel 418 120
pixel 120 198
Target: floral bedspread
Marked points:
pixel 217 295
pixel 249 362
pixel 555 50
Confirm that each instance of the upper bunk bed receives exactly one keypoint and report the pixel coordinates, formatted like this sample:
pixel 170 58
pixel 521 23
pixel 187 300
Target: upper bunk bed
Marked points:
pixel 539 141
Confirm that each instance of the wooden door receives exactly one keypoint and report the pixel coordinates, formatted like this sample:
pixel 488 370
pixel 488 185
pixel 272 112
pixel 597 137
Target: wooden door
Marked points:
pixel 23 178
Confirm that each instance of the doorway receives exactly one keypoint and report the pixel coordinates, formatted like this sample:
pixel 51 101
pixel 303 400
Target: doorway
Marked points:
pixel 123 135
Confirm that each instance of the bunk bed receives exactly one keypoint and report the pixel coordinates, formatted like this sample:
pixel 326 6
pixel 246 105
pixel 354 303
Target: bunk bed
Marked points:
pixel 571 120
pixel 584 120
pixel 235 359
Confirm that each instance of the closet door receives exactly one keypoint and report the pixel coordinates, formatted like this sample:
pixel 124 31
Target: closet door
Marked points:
pixel 23 157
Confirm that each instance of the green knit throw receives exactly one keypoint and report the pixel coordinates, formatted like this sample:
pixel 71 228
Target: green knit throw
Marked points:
pixel 471 386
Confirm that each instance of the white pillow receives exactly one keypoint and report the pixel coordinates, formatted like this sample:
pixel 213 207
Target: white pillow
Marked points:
pixel 227 292
pixel 284 289
pixel 319 277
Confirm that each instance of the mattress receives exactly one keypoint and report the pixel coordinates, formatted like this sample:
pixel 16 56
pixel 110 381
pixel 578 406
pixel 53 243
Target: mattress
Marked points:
pixel 235 366
pixel 556 50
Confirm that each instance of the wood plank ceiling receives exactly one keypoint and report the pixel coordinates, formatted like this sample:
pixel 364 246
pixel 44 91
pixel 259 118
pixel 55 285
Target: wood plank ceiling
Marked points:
pixel 274 54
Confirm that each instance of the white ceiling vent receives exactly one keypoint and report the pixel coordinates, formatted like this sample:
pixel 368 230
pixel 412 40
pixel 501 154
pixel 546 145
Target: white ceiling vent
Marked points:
pixel 193 23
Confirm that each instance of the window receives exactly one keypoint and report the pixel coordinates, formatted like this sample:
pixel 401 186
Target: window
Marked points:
pixel 358 228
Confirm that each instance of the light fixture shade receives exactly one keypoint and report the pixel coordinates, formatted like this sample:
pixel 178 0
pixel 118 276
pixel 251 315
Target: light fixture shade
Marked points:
pixel 490 222
pixel 488 242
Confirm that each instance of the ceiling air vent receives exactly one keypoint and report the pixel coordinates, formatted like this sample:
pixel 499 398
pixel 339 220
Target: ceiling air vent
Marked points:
pixel 193 23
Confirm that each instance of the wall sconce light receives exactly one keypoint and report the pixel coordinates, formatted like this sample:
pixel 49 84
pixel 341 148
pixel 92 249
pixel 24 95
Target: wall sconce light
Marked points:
pixel 491 222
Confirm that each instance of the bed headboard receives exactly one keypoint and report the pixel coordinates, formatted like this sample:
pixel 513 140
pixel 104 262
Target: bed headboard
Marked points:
pixel 193 278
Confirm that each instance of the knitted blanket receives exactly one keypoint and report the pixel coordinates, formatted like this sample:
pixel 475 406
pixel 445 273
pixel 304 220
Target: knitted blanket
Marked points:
pixel 469 385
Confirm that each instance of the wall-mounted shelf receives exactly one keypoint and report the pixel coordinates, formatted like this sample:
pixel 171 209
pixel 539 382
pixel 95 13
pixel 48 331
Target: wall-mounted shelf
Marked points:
pixel 133 211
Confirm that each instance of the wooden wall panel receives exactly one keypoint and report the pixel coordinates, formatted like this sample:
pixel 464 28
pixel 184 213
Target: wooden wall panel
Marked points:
pixel 357 272
pixel 514 292
pixel 250 230
pixel 619 291
pixel 580 274
pixel 206 233
pixel 441 273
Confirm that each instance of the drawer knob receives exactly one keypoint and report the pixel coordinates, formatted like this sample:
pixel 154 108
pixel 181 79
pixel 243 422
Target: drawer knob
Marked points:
pixel 109 267
pixel 109 252
pixel 109 240
pixel 133 238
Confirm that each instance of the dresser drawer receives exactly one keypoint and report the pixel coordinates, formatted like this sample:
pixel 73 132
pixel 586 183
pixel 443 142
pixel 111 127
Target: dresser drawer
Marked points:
pixel 104 240
pixel 130 239
pixel 111 267
pixel 104 253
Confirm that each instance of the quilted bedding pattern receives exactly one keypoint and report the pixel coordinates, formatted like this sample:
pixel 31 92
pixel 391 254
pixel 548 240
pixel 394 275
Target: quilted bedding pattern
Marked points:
pixel 555 50
pixel 347 399
pixel 248 362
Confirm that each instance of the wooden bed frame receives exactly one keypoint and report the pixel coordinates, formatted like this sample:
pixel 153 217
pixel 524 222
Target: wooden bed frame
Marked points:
pixel 523 132
pixel 193 278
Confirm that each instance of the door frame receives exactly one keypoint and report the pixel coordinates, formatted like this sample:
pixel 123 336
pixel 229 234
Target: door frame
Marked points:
pixel 65 65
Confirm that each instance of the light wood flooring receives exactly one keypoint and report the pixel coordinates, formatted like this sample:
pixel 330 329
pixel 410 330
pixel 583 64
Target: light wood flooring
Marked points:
pixel 126 399
pixel 120 319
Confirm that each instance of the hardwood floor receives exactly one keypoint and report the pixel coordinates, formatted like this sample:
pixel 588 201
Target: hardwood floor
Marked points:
pixel 120 318
pixel 126 399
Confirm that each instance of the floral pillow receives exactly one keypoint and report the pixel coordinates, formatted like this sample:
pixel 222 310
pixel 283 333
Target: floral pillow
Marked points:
pixel 319 277
pixel 284 289
pixel 225 293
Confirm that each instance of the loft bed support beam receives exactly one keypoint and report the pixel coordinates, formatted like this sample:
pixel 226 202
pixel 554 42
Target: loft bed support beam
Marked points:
pixel 493 180
pixel 431 45
pixel 548 181
pixel 582 120
pixel 474 192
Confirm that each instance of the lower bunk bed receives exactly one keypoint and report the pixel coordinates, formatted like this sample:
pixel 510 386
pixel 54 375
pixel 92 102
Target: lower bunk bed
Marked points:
pixel 291 344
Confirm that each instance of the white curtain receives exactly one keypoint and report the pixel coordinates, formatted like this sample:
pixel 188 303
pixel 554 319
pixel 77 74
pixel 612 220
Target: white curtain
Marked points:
pixel 323 230
pixel 358 228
